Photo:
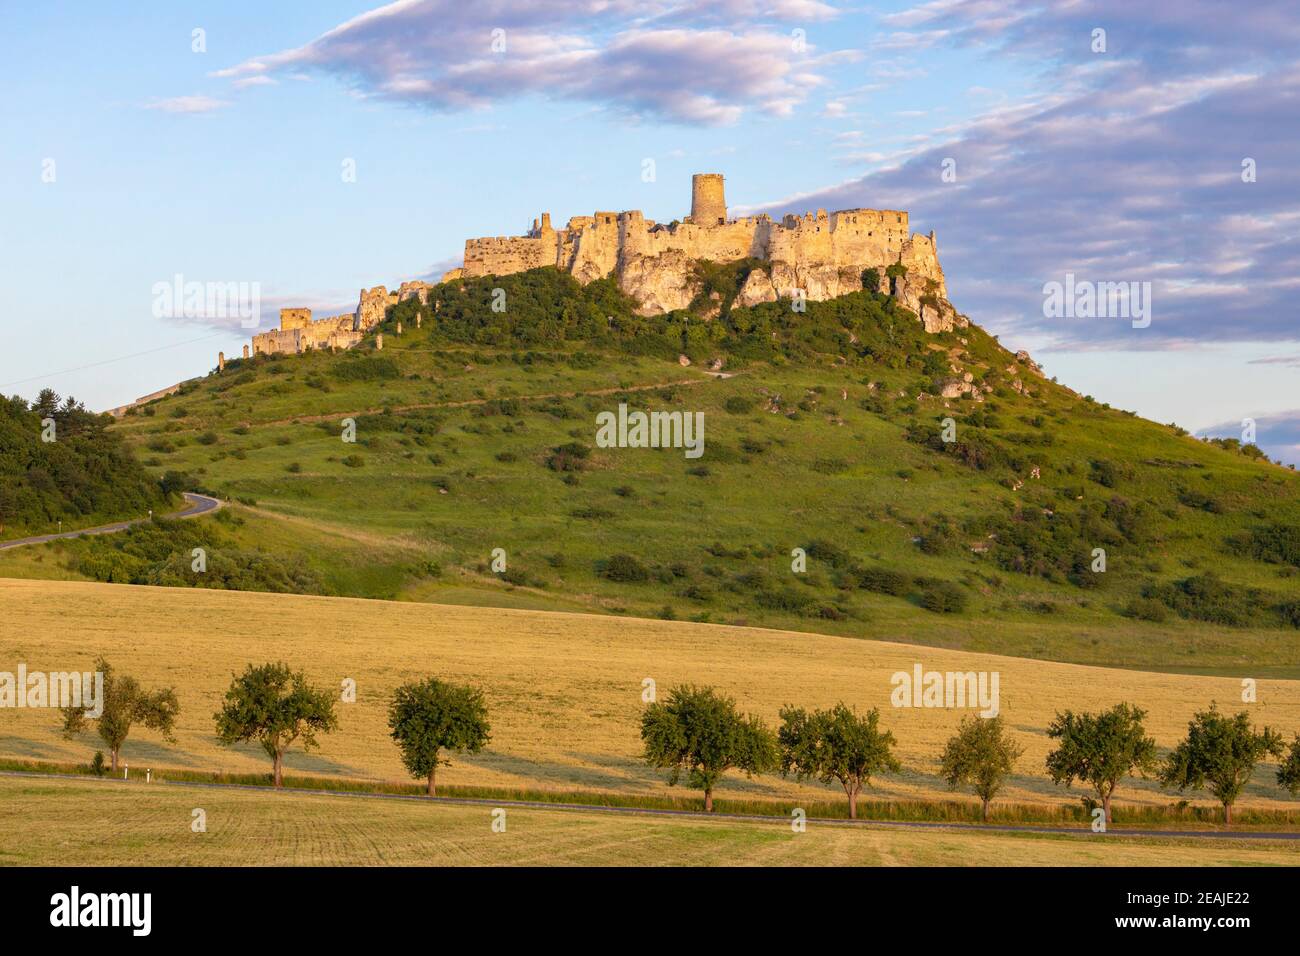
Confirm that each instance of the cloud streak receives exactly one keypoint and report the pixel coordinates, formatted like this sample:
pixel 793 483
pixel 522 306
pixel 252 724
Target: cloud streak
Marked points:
pixel 187 104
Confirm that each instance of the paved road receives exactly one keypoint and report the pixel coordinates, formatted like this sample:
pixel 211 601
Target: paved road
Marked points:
pixel 198 505
pixel 1085 832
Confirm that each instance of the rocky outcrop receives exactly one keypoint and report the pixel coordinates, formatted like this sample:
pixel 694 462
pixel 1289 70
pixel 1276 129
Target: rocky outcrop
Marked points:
pixel 415 289
pixel 757 289
pixel 371 307
pixel 659 283
pixel 957 387
pixel 1023 358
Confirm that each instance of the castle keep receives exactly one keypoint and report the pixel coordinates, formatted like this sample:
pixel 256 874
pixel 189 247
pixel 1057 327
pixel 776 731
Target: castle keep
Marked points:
pixel 816 255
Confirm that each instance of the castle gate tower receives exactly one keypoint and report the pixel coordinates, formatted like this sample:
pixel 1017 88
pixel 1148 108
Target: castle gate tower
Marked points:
pixel 708 204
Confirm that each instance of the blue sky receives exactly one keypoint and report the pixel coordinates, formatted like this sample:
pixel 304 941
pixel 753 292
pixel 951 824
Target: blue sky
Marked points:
pixel 1122 164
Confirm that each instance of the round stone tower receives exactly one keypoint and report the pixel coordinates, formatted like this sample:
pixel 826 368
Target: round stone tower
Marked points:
pixel 708 204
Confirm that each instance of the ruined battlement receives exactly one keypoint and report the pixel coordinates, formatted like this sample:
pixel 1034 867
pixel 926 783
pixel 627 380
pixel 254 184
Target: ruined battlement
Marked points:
pixel 299 332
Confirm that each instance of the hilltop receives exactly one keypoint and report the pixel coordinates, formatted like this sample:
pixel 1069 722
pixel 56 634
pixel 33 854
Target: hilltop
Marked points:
pixel 824 431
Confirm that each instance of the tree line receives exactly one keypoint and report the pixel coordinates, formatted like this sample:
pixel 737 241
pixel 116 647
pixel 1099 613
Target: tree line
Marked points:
pixel 60 461
pixel 698 734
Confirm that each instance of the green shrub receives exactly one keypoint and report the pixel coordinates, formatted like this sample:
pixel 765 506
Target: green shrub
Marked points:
pixel 570 457
pixel 626 569
pixel 738 405
pixel 1147 609
pixel 822 550
pixel 943 597
pixel 362 368
pixel 1274 543
pixel 883 581
pixel 1205 597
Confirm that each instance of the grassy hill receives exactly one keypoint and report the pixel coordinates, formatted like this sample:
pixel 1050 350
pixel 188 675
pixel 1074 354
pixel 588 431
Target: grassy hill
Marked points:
pixel 824 430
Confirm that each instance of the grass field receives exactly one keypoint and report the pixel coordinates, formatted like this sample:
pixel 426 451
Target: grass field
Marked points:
pixel 109 824
pixel 564 690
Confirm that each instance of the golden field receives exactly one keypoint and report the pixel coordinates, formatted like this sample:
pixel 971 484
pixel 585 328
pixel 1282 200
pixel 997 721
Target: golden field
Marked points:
pixel 564 690
pixel 105 823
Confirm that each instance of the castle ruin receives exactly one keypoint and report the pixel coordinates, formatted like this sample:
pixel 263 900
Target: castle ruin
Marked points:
pixel 299 332
pixel 820 255
pixel 817 256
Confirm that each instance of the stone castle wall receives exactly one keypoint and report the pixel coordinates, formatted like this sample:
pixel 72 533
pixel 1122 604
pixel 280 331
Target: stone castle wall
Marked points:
pixel 299 332
pixel 144 399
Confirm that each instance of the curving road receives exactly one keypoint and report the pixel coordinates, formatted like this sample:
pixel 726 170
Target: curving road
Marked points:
pixel 198 505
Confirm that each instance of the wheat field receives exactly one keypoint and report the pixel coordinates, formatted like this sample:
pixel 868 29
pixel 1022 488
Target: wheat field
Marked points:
pixel 106 823
pixel 564 690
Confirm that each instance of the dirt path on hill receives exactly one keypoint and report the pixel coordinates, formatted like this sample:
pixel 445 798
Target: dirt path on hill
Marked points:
pixel 298 419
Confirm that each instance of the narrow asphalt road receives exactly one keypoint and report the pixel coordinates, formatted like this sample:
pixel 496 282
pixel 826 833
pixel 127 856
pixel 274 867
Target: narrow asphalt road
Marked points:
pixel 1085 832
pixel 198 505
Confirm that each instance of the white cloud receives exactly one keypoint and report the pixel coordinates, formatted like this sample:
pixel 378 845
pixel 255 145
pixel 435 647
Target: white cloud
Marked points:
pixel 187 104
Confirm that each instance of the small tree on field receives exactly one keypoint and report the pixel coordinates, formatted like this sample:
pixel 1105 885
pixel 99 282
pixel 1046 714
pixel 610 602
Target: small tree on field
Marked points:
pixel 836 745
pixel 276 707
pixel 981 754
pixel 697 732
pixel 1101 749
pixel 1288 773
pixel 124 705
pixel 430 716
pixel 1219 753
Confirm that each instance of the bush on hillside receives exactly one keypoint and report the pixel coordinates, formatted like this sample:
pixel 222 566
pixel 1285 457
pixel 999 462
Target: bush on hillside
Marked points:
pixel 943 597
pixel 625 569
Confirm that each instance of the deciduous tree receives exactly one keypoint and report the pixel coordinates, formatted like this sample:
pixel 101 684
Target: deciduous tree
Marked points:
pixel 276 707
pixel 1101 749
pixel 125 704
pixel 981 754
pixel 697 732
pixel 1288 773
pixel 1219 754
pixel 430 716
pixel 836 745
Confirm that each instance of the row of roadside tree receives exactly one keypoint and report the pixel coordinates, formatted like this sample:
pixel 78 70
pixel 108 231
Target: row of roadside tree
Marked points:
pixel 698 735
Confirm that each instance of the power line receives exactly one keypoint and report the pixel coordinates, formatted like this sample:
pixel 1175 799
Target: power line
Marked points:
pixel 120 358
